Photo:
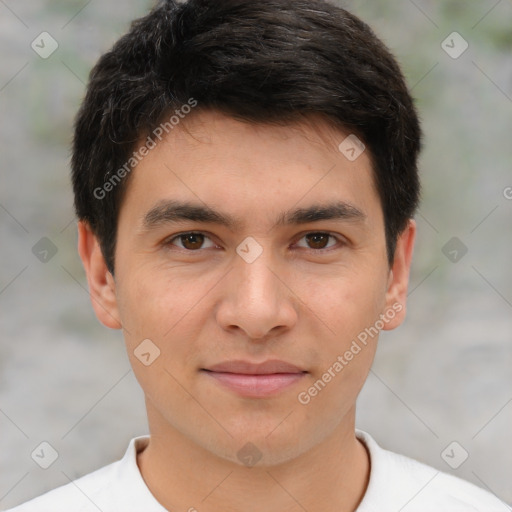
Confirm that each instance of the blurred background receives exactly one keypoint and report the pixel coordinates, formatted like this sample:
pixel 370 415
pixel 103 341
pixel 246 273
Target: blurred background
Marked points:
pixel 441 387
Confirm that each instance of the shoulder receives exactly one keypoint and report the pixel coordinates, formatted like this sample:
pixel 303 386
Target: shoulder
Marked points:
pixel 79 495
pixel 118 486
pixel 401 483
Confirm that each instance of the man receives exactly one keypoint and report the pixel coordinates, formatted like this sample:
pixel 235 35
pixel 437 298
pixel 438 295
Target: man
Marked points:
pixel 245 177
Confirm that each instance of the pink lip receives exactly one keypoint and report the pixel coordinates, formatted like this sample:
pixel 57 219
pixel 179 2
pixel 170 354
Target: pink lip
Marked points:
pixel 255 380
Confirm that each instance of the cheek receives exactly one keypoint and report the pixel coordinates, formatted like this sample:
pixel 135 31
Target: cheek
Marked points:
pixel 159 317
pixel 153 302
pixel 346 303
pixel 348 308
pixel 170 309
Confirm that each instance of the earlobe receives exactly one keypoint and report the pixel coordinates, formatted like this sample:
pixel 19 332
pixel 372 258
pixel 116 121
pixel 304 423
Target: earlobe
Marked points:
pixel 396 294
pixel 102 288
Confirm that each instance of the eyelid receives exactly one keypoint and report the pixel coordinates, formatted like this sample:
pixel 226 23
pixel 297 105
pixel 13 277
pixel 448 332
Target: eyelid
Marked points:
pixel 167 241
pixel 339 239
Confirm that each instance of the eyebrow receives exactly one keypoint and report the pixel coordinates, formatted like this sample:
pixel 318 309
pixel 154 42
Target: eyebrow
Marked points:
pixel 171 211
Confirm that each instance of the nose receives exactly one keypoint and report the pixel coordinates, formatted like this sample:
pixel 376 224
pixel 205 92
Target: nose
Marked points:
pixel 258 299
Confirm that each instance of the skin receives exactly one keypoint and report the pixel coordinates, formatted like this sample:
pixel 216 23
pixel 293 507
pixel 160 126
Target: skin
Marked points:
pixel 300 302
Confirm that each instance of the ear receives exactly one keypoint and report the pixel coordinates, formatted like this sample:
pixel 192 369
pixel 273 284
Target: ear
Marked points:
pixel 396 294
pixel 102 288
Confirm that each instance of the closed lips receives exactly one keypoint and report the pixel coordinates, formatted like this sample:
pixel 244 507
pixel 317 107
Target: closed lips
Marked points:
pixel 248 368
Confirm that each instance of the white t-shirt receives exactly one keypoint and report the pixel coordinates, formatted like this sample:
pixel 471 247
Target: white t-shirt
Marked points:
pixel 397 483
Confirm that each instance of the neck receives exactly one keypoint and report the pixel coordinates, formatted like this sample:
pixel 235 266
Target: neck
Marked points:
pixel 182 475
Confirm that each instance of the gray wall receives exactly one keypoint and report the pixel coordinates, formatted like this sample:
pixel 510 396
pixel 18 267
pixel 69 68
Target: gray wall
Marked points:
pixel 443 376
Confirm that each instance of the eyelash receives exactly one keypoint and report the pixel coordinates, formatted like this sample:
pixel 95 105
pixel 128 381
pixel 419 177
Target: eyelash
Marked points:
pixel 168 241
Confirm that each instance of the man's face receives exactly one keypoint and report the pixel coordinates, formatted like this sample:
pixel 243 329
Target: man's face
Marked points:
pixel 274 285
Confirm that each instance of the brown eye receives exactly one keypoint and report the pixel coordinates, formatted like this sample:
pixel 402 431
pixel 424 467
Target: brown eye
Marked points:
pixel 318 240
pixel 190 241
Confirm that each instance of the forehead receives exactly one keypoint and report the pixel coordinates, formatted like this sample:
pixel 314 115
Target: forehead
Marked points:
pixel 256 169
